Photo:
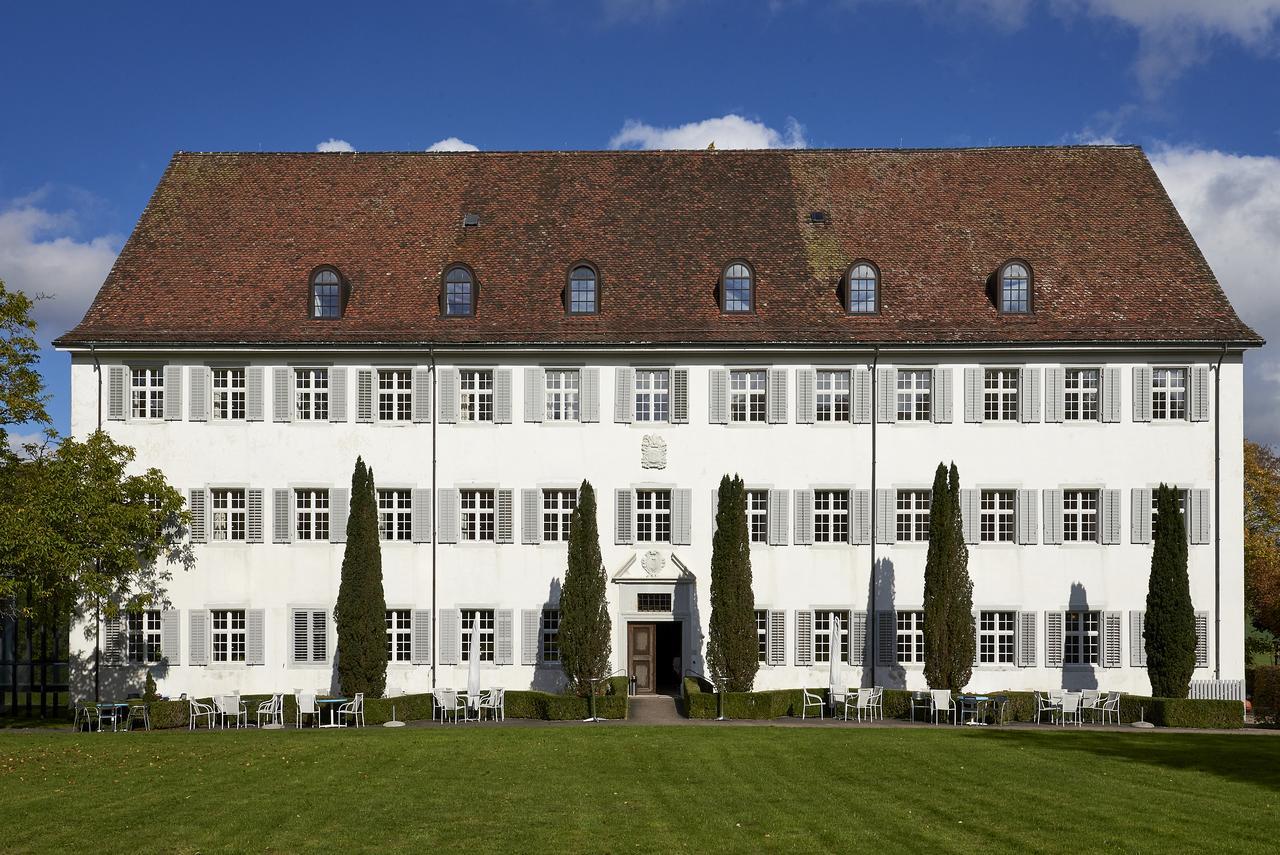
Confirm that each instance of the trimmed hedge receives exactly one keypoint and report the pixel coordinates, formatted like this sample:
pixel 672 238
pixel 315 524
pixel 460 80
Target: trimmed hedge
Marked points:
pixel 1266 693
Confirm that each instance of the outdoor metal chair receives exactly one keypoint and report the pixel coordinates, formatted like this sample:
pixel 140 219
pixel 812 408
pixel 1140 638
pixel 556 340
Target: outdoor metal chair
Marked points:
pixel 307 706
pixel 354 709
pixel 230 706
pixel 272 710
pixel 495 701
pixel 197 710
pixel 1090 700
pixel 1070 709
pixel 1000 707
pixel 107 713
pixel 922 702
pixel 943 703
pixel 1109 708
pixel 839 699
pixel 86 713
pixel 138 712
pixel 863 704
pixel 811 700
pixel 1045 706
pixel 877 702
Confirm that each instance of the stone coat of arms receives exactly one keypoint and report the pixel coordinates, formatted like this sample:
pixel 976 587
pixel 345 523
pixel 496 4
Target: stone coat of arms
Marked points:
pixel 653 452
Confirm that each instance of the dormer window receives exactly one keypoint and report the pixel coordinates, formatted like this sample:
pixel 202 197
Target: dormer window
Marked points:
pixel 583 291
pixel 737 289
pixel 863 289
pixel 326 294
pixel 1014 283
pixel 459 292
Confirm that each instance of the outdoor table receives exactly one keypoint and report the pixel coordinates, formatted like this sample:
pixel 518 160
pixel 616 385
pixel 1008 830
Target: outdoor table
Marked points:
pixel 332 710
pixel 115 713
pixel 473 702
pixel 978 703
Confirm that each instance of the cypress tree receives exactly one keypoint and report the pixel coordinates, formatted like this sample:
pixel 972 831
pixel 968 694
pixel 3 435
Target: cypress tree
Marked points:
pixel 361 611
pixel 733 653
pixel 1170 629
pixel 948 590
pixel 585 627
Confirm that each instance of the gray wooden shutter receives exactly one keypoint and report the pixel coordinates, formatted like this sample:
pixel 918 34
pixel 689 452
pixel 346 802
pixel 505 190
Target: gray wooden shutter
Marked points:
pixel 1055 404
pixel 1029 395
pixel 450 641
pixel 339 510
pixel 779 511
pixel 1141 393
pixel 421 395
pixel 624 394
pixel 338 395
pixel 420 510
pixel 198 637
pixel 858 638
pixel 1109 507
pixel 776 396
pixel 1052 517
pixel 171 636
pixel 1199 513
pixel 589 395
pixel 1110 379
pixel 804 637
pixel 199 405
pixel 1202 639
pixel 448 392
pixel 173 393
pixel 1025 640
pixel 623 523
pixel 1198 399
pixel 364 396
pixel 1137 640
pixel 282 395
pixel 505 528
pixel 450 519
pixel 253 394
pixel 420 637
pixel 531 516
pixel 299 635
pixel 1109 653
pixel 255 652
pixel 886 638
pixel 1140 515
pixel 117 376
pixel 681 516
pixel 860 530
pixel 940 396
pixel 679 396
pixel 502 396
pixel 806 392
pixel 886 518
pixel 281 516
pixel 198 504
pixel 886 395
pixel 970 515
pixel 718 405
pixel 113 640
pixel 860 381
pixel 1053 629
pixel 503 652
pixel 535 393
pixel 1027 517
pixel 253 514
pixel 530 636
pixel 804 517
pixel 973 392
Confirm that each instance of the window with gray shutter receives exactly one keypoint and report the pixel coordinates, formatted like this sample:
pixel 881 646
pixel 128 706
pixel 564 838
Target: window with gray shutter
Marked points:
pixel 777 653
pixel 806 393
pixel 624 394
pixel 1052 517
pixel 1109 516
pixel 199 405
pixel 860 530
pixel 1141 393
pixel 718 412
pixel 282 394
pixel 970 515
pixel 679 396
pixel 860 412
pixel 1140 515
pixel 941 396
pixel 804 637
pixel 420 637
pixel 776 405
pixel 1025 641
pixel 450 516
pixel 1053 629
pixel 1199 513
pixel 448 391
pixel 116 377
pixel 364 396
pixel 253 394
pixel 502 396
pixel 1198 398
pixel 530 636
pixel 973 395
pixel 1109 653
pixel 886 638
pixel 1202 639
pixel 505 526
pixel 420 508
pixel 886 523
pixel 198 504
pixel 281 516
pixel 858 638
pixel 113 641
pixel 198 637
pixel 1110 380
pixel 886 395
pixel 255 649
pixel 1027 517
pixel 171 636
pixel 1137 639
pixel 589 395
pixel 173 393
pixel 338 395
pixel 535 390
pixel 1054 394
pixel 1029 395
pixel 503 652
pixel 623 520
pixel 779 512
pixel 450 641
pixel 804 517
pixel 681 516
pixel 253 515
pixel 421 395
pixel 339 510
pixel 531 516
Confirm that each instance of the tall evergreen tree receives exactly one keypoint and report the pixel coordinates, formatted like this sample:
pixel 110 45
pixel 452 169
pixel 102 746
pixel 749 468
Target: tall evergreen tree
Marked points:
pixel 1170 628
pixel 361 611
pixel 585 627
pixel 948 590
pixel 732 644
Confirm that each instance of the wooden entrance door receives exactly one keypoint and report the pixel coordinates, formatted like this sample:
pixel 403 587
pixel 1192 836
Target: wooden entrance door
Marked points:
pixel 640 656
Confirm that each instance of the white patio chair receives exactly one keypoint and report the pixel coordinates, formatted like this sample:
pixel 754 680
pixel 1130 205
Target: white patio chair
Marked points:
pixel 877 702
pixel 811 701
pixel 138 712
pixel 865 704
pixel 495 701
pixel 449 703
pixel 922 702
pixel 86 712
pixel 354 709
pixel 230 706
pixel 839 700
pixel 1090 700
pixel 307 706
pixel 273 710
pixel 1046 706
pixel 1070 708
pixel 197 710
pixel 1110 708
pixel 943 703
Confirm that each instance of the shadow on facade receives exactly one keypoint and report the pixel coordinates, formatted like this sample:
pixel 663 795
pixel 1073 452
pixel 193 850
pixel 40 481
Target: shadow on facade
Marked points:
pixel 881 620
pixel 548 676
pixel 1079 676
pixel 686 603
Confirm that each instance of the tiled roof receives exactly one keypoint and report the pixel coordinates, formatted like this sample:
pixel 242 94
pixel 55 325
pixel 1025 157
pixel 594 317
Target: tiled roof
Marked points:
pixel 223 251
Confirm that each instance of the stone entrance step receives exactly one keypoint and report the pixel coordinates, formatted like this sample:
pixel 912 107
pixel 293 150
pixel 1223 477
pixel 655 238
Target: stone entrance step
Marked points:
pixel 654 709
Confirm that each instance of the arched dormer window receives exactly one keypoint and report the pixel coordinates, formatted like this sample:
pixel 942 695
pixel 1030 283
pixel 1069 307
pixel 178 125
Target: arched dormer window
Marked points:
pixel 1013 288
pixel 326 294
pixel 863 287
pixel 584 291
pixel 737 289
pixel 459 292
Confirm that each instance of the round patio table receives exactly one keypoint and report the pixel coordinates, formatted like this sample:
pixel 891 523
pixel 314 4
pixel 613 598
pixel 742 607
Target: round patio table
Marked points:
pixel 333 710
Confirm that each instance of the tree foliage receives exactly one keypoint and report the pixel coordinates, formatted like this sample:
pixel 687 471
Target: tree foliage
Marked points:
pixel 733 652
pixel 361 610
pixel 585 628
pixel 948 590
pixel 21 396
pixel 1170 627
pixel 1262 535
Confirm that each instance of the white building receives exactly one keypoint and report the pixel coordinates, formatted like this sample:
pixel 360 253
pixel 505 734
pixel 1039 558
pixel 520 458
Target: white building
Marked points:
pixel 487 330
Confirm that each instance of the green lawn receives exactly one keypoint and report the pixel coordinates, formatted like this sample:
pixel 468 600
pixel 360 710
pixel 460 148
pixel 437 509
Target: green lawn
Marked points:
pixel 640 789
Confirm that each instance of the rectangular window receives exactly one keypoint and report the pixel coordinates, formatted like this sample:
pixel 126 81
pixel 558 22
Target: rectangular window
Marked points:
pixel 311 394
pixel 762 634
pixel 653 516
pixel 653 395
pixel 910 636
pixel 142 636
pixel 310 635
pixel 147 393
pixel 653 602
pixel 1000 395
pixel 562 396
pixel 758 515
pixel 476 402
pixel 557 510
pixel 228 514
pixel 995 638
pixel 312 508
pixel 477 515
pixel 1079 515
pixel 914 395
pixel 746 396
pixel 395 514
pixel 996 522
pixel 913 515
pixel 1080 395
pixel 399 635
pixel 550 635
pixel 1182 509
pixel 395 395
pixel 1080 638
pixel 824 635
pixel 831 516
pixel 1168 394
pixel 228 636
pixel 228 394
pixel 833 396
pixel 482 619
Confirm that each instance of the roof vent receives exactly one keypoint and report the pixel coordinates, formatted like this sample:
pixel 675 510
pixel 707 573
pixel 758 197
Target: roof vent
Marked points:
pixel 470 220
pixel 819 218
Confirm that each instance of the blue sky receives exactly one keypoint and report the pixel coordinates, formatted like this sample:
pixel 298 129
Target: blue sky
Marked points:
pixel 96 97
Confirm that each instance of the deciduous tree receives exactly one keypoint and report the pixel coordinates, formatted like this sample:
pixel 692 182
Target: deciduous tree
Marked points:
pixel 1262 535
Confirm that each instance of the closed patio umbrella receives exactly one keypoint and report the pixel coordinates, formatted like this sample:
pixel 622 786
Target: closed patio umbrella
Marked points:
pixel 836 680
pixel 473 666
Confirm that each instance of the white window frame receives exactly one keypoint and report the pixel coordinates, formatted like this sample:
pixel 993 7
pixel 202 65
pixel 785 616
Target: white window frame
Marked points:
pixel 758 516
pixel 822 640
pixel 228 514
pixel 311 394
pixel 1080 523
pixel 478 515
pixel 653 395
pixel 997 520
pixel 997 631
pixel 475 401
pixel 831 516
pixel 915 395
pixel 1082 394
pixel 1081 638
pixel 1000 394
pixel 395 514
pixel 1170 385
pixel 558 505
pixel 911 515
pixel 230 632
pixel 562 390
pixel 748 394
pixel 311 514
pixel 1182 507
pixel 228 394
pixel 146 392
pixel 549 635
pixel 395 395
pixel 399 636
pixel 909 637
pixel 485 632
pixel 142 637
pixel 832 395
pixel 762 634
pixel 653 515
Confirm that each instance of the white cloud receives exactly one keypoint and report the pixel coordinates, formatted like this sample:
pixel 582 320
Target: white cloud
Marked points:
pixel 730 131
pixel 452 144
pixel 333 144
pixel 1231 203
